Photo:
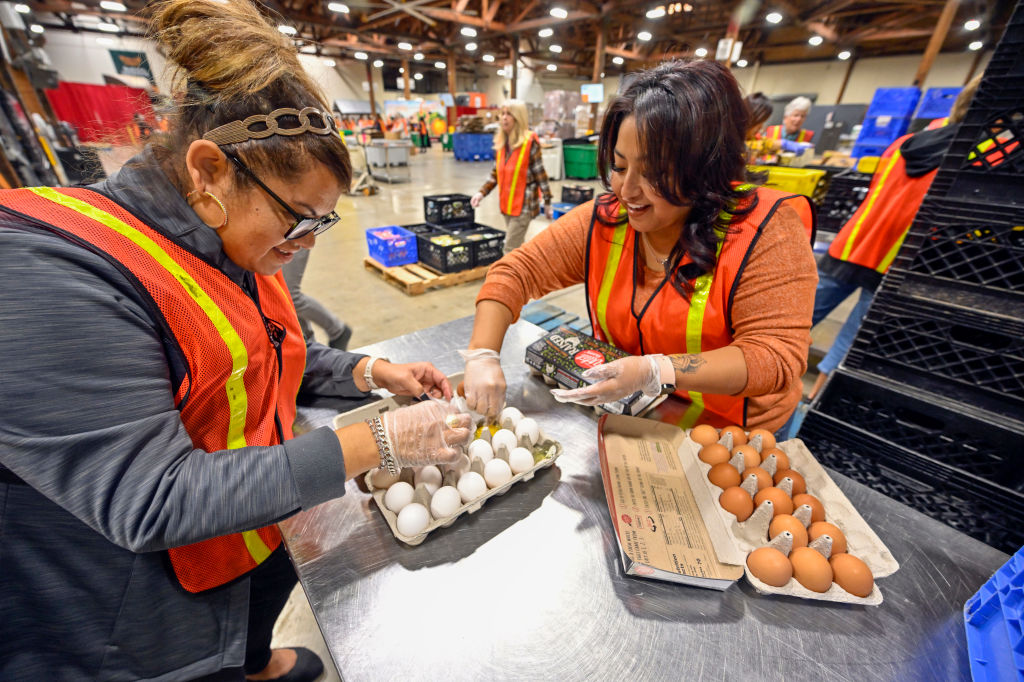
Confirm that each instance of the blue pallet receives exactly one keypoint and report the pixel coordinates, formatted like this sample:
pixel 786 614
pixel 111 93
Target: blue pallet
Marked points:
pixel 993 619
pixel 473 146
pixel 937 102
pixel 899 102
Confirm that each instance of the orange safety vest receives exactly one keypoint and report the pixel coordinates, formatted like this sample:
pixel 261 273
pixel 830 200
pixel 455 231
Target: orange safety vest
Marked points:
pixel 775 133
pixel 873 235
pixel 669 323
pixel 240 385
pixel 512 174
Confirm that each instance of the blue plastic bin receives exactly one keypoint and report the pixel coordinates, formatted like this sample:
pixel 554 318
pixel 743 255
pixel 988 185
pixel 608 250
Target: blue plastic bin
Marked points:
pixel 391 245
pixel 883 130
pixel 899 102
pixel 860 150
pixel 937 102
pixel 473 146
pixel 993 619
pixel 560 208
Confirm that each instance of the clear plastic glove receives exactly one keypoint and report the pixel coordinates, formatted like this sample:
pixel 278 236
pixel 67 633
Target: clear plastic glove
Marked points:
pixel 614 380
pixel 430 432
pixel 484 381
pixel 476 199
pixel 412 378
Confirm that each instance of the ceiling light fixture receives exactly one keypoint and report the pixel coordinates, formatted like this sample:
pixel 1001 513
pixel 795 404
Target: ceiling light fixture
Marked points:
pixel 112 6
pixel 742 63
pixel 36 28
pixel 687 7
pixel 470 47
pixel 558 13
pixel 618 60
pixel 815 40
pixel 401 69
pixel 975 46
pixel 552 67
pixel 972 25
pixel 468 31
pixel 339 7
pixel 844 55
pixel 656 13
pixel 488 58
pixel 546 32
pixel 378 63
pixel 404 46
pixel 773 18
pixel 701 52
pixel 439 65
pixel 361 56
pixel 108 28
pixel 557 49
pixel 287 30
pixel 22 8
pixel 417 76
pixel 644 35
pixel 418 56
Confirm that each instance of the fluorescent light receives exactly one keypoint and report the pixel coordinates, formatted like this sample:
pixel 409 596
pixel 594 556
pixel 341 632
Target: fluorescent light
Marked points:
pixel 975 46
pixel 330 63
pixel 644 35
pixel 22 8
pixel 844 55
pixel 417 76
pixel 701 52
pixel 815 40
pixel 742 63
pixel 339 7
pixel 418 56
pixel 468 31
pixel 36 28
pixel 557 49
pixel 287 30
pixel 773 18
pixel 109 28
pixel 440 65
pixel 106 41
pixel 546 32
pixel 362 56
pixel 378 63
pixel 552 67
pixel 656 13
pixel 471 47
pixel 558 13
pixel 488 58
pixel 112 6
pixel 618 60
pixel 401 69
pixel 972 24
pixel 404 46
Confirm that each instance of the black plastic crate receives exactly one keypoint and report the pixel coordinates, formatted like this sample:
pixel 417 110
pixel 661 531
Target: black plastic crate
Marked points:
pixel 918 342
pixel 970 243
pixel 985 511
pixel 447 209
pixel 440 249
pixel 486 243
pixel 576 194
pixel 846 191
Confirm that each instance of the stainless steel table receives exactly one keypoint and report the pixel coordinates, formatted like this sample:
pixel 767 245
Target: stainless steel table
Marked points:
pixel 531 587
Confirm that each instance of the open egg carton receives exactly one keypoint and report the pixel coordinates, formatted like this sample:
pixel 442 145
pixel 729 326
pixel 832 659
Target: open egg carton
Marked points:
pixel 422 499
pixel 753 532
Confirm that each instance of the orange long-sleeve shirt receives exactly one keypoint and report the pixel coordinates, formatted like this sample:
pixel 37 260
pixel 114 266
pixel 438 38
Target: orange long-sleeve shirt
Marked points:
pixel 771 310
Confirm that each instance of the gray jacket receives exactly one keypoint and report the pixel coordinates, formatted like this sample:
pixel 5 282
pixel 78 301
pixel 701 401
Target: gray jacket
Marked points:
pixel 110 477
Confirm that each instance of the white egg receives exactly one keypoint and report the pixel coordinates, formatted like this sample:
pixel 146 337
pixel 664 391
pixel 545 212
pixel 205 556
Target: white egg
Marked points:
pixel 430 476
pixel 504 438
pixel 381 479
pixel 520 460
pixel 472 486
pixel 529 429
pixel 398 496
pixel 509 417
pixel 497 473
pixel 445 502
pixel 413 519
pixel 482 449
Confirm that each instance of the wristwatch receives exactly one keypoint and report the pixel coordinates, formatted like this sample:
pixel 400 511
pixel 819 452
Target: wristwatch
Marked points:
pixel 668 375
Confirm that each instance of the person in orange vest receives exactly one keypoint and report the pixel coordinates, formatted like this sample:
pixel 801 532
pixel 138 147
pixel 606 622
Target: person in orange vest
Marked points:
pixel 153 361
pixel 518 173
pixel 760 109
pixel 708 282
pixel 791 135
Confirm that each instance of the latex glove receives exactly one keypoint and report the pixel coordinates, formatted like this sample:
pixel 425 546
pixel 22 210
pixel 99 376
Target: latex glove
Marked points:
pixel 430 432
pixel 795 147
pixel 485 382
pixel 614 380
pixel 412 378
pixel 549 211
pixel 476 199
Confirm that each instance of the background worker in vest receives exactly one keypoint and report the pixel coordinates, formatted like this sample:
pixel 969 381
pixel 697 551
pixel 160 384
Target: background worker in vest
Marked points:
pixel 867 244
pixel 759 107
pixel 791 135
pixel 151 359
pixel 518 173
pixel 714 306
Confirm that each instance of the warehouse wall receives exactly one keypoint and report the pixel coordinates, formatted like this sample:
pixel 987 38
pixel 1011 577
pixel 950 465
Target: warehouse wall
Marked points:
pixel 78 58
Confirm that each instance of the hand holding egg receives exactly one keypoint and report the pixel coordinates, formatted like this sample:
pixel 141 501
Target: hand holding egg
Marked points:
pixel 430 432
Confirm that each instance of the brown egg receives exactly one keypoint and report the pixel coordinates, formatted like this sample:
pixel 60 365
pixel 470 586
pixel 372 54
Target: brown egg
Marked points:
pixel 784 522
pixel 714 454
pixel 817 508
pixel 737 502
pixel 799 485
pixel 811 569
pixel 763 479
pixel 767 438
pixel 782 459
pixel 770 566
pixel 751 458
pixel 825 528
pixel 739 436
pixel 724 475
pixel 704 434
pixel 851 574
pixel 781 502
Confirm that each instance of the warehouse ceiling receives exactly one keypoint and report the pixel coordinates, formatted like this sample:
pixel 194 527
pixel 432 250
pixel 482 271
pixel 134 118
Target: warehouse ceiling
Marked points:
pixel 568 33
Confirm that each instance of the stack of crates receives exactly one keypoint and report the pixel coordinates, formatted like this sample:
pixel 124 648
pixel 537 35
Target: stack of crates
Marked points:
pixel 887 119
pixel 928 406
pixel 451 240
pixel 846 191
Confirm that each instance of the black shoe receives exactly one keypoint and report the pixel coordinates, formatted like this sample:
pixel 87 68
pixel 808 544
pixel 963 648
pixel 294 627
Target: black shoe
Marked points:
pixel 341 340
pixel 307 668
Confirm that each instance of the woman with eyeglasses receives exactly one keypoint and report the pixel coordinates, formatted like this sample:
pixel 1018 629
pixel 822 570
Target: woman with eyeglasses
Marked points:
pixel 151 361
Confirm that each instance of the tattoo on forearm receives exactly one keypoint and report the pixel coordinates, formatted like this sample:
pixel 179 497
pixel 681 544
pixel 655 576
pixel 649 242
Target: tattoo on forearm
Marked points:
pixel 687 364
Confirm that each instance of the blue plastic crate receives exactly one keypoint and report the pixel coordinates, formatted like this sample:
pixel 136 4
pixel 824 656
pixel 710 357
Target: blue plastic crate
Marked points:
pixel 560 208
pixel 993 619
pixel 860 150
pixel 473 146
pixel 937 102
pixel 899 102
pixel 391 245
pixel 882 130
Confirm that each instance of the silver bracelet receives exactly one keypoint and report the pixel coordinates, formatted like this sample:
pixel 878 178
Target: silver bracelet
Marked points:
pixel 387 457
pixel 368 373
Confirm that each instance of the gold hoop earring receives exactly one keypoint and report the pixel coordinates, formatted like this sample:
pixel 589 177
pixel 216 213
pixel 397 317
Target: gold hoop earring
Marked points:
pixel 189 199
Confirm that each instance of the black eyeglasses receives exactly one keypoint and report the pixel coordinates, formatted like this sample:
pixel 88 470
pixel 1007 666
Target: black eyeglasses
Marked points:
pixel 303 225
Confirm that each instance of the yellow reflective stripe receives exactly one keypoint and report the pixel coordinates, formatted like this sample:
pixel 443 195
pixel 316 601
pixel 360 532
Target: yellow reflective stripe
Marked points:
pixel 889 257
pixel 257 548
pixel 234 387
pixel 611 266
pixel 848 246
pixel 515 175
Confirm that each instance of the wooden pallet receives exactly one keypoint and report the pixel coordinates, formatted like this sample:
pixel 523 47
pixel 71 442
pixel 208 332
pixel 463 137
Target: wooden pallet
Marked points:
pixel 416 278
